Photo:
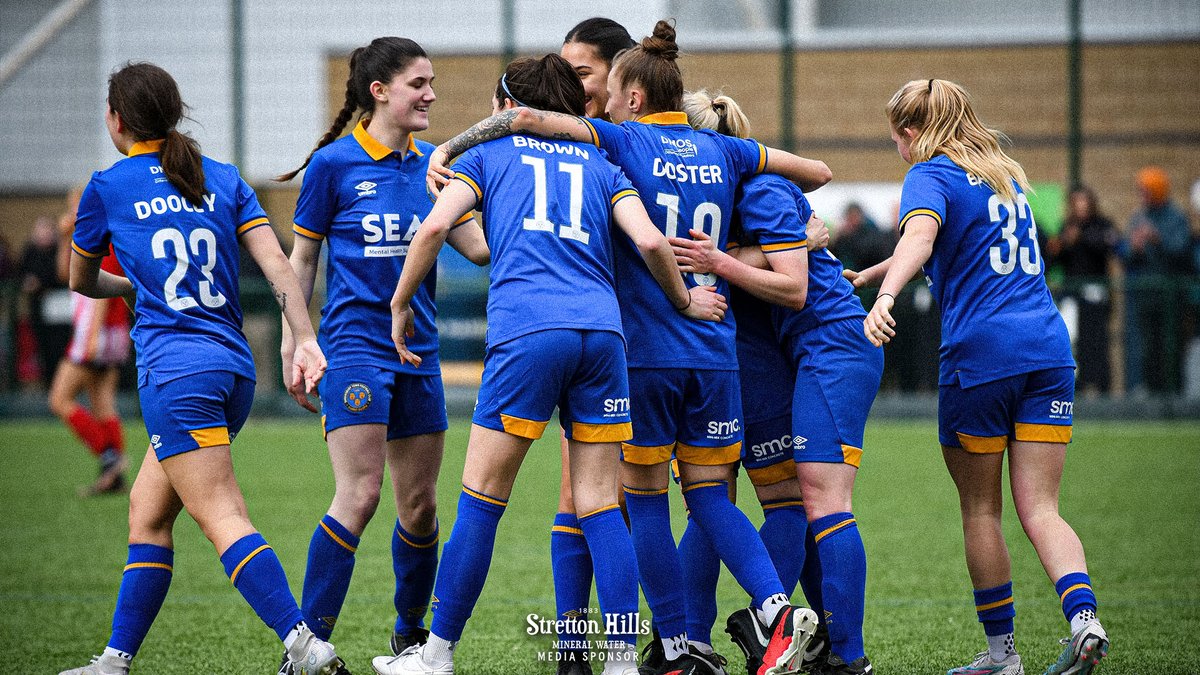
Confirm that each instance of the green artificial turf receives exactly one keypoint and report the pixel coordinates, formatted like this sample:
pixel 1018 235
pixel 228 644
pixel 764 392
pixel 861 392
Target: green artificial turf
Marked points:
pixel 1130 490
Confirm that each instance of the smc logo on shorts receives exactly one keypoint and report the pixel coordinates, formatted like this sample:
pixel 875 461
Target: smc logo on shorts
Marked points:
pixel 357 397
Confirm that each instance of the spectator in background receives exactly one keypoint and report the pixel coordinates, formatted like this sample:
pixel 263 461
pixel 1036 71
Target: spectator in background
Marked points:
pixel 45 295
pixel 1084 248
pixel 1156 248
pixel 858 242
pixel 8 259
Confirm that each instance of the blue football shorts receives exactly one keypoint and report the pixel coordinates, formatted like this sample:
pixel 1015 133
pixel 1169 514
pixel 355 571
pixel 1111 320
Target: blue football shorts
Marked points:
pixel 410 405
pixel 767 378
pixel 200 410
pixel 837 378
pixel 582 372
pixel 695 414
pixel 1035 406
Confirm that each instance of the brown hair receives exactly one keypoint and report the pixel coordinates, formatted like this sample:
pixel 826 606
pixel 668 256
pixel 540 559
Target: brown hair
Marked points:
pixel 940 113
pixel 548 83
pixel 651 64
pixel 720 113
pixel 147 100
pixel 379 61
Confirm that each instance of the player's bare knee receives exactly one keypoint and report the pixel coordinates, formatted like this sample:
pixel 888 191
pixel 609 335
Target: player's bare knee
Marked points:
pixel 418 511
pixel 361 500
pixel 1035 514
pixel 59 404
pixel 148 524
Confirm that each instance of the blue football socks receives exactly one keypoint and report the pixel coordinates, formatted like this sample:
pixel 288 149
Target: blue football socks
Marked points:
pixel 844 581
pixel 735 540
pixel 701 571
pixel 252 566
pixel 571 564
pixel 414 561
pixel 611 550
pixel 144 586
pixel 327 576
pixel 657 559
pixel 784 524
pixel 466 558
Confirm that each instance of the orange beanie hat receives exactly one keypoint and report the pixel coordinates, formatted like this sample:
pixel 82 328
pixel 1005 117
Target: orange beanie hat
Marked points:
pixel 1154 181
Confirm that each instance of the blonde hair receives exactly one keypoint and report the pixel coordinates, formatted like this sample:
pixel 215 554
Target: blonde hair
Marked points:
pixel 719 113
pixel 940 113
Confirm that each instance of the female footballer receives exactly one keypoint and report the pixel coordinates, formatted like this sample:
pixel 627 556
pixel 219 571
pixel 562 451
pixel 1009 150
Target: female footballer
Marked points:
pixel 364 195
pixel 809 445
pixel 590 48
pixel 554 339
pixel 174 219
pixel 1006 376
pixel 684 394
pixel 99 346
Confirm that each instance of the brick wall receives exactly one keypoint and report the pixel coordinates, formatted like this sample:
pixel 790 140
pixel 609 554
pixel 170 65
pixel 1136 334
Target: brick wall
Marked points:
pixel 1141 106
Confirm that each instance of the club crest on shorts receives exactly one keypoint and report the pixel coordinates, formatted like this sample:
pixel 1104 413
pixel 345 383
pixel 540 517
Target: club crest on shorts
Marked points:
pixel 357 397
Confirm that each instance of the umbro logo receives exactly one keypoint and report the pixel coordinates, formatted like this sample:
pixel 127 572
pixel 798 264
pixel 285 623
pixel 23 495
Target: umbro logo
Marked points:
pixel 365 188
pixel 798 442
pixel 156 441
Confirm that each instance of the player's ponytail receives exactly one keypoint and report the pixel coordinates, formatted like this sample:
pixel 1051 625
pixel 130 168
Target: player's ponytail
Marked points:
pixel 940 114
pixel 548 83
pixel 379 61
pixel 651 65
pixel 719 113
pixel 146 98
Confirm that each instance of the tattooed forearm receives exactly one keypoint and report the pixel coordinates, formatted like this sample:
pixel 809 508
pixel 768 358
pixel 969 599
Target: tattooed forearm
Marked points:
pixel 496 126
pixel 543 123
pixel 280 296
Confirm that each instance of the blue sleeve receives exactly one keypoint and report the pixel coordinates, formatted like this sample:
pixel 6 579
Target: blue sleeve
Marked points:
pixel 91 224
pixel 924 194
pixel 621 187
pixel 317 205
pixel 611 138
pixel 748 156
pixel 469 169
pixel 774 214
pixel 250 213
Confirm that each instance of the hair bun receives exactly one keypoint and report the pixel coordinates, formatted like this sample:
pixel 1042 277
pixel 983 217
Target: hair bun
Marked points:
pixel 661 42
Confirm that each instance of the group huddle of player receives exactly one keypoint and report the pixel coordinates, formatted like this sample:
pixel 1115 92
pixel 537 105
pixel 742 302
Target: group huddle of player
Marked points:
pixel 626 221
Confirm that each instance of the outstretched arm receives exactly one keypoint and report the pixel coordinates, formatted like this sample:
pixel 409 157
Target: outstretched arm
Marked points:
pixel 455 200
pixel 915 247
pixel 807 174
pixel 512 121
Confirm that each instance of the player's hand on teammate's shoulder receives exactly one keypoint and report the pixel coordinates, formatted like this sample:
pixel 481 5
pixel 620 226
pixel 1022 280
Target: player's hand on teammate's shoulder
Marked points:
pixel 818 233
pixel 308 367
pixel 438 175
pixel 706 304
pixel 404 326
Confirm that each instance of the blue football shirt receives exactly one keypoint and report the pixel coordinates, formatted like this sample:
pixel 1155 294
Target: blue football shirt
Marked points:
pixel 367 201
pixel 987 276
pixel 687 180
pixel 774 213
pixel 182 258
pixel 547 211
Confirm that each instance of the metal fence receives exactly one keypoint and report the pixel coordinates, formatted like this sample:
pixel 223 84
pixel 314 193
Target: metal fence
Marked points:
pixel 1135 339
